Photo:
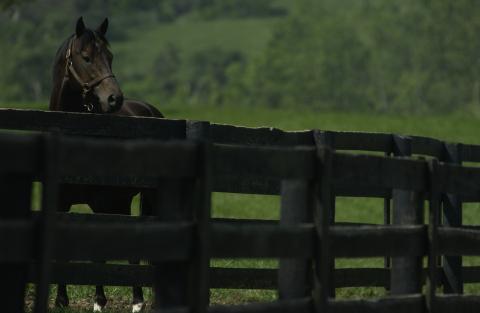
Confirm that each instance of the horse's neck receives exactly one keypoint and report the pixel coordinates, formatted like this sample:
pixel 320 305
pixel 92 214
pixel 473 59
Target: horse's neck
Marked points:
pixel 65 98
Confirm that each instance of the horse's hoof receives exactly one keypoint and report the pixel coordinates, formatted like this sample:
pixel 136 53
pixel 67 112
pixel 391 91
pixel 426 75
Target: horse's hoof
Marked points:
pixel 138 307
pixel 100 303
pixel 98 307
pixel 61 302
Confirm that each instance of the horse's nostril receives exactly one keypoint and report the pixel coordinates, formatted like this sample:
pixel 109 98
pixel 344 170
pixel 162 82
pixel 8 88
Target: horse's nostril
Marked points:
pixel 112 100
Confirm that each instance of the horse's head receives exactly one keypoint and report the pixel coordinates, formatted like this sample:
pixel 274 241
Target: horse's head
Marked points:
pixel 88 67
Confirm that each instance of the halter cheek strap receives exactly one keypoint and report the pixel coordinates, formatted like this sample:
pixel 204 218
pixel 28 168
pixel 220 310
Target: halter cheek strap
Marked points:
pixel 87 87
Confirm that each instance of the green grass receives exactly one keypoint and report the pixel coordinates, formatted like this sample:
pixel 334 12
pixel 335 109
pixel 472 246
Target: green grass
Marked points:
pixel 459 127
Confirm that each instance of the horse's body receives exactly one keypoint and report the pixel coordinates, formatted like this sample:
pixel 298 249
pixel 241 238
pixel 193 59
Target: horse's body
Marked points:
pixel 83 82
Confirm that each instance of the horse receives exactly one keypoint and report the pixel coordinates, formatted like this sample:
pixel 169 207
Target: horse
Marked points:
pixel 83 81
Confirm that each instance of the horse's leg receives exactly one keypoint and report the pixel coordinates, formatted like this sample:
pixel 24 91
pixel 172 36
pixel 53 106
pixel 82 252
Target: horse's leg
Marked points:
pixel 121 203
pixel 146 207
pixel 62 297
pixel 100 298
pixel 138 303
pixel 147 199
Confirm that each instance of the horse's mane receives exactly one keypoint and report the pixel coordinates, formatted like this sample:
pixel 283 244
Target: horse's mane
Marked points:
pixel 59 62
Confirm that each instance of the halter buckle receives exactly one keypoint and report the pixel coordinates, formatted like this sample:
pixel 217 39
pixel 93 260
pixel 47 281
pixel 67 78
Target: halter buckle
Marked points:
pixel 89 107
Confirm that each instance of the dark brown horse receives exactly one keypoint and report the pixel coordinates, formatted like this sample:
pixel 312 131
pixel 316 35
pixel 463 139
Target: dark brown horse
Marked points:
pixel 83 81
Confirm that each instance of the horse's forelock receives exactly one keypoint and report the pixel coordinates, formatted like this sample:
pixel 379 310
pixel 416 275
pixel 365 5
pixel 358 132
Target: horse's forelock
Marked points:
pixel 90 36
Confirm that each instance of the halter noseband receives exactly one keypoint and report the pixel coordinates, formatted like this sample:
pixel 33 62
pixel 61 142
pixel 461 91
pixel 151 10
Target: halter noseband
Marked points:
pixel 87 87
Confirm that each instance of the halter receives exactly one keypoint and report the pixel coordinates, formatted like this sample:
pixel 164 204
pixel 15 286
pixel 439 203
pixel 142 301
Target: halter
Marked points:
pixel 87 87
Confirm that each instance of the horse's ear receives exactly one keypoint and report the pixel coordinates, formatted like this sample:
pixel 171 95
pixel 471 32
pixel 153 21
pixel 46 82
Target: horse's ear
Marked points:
pixel 102 29
pixel 80 27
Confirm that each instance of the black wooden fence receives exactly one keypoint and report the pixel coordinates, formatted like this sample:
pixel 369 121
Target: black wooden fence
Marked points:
pixel 182 238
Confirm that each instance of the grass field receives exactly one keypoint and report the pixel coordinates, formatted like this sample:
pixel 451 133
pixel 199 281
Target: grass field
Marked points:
pixel 460 127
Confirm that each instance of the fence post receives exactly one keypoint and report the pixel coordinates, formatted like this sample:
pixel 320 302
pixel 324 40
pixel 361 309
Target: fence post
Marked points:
pixel 434 221
pixel 185 283
pixel 170 282
pixel 406 272
pixel 15 192
pixel 47 222
pixel 452 216
pixel 326 139
pixel 199 131
pixel 387 209
pixel 295 208
pixel 323 277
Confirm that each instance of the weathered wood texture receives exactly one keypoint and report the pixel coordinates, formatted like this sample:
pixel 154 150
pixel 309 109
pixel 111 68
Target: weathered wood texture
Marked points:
pixel 182 238
pixel 452 216
pixel 405 273
pixel 296 208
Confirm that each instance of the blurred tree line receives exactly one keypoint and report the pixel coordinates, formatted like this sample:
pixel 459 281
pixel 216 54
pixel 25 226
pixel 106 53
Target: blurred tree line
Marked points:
pixel 378 55
pixel 409 55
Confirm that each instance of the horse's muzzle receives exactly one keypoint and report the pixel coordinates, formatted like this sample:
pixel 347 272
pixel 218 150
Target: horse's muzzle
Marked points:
pixel 114 102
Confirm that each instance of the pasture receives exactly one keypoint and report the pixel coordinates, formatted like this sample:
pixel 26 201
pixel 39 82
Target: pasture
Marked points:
pixel 458 127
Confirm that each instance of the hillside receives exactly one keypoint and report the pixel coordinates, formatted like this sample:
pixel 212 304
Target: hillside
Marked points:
pixel 415 57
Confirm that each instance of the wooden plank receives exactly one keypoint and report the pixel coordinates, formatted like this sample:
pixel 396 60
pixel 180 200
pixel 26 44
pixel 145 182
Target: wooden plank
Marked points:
pixel 87 124
pixel 113 218
pixel 459 180
pixel 264 162
pixel 362 277
pixel 47 223
pixel 16 240
pixel 323 276
pixel 295 208
pixel 127 158
pixel 363 191
pixel 377 171
pixel 286 306
pixel 104 274
pixel 394 304
pixel 113 241
pixel 361 141
pixel 326 140
pixel 470 153
pixel 171 279
pixel 142 275
pixel 433 236
pixel 406 270
pixel 471 274
pixel 21 153
pixel 387 218
pixel 244 278
pixel 230 278
pixel 265 136
pixel 322 140
pixel 262 241
pixel 15 192
pixel 199 275
pixel 427 146
pixel 459 241
pixel 368 241
pixel 452 217
pixel 457 303
pixel 237 183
